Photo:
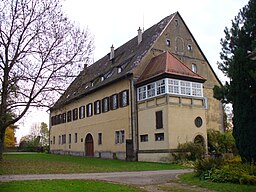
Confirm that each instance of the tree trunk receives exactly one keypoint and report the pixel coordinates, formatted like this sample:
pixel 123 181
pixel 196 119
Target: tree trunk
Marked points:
pixel 2 136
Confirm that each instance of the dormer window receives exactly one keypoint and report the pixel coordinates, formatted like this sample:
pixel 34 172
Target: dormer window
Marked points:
pixel 119 69
pixel 92 84
pixel 102 78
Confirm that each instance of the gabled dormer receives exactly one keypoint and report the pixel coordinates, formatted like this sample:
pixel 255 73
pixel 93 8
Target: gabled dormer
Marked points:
pixel 166 74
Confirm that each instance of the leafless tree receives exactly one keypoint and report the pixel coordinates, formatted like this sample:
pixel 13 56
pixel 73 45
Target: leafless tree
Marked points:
pixel 40 51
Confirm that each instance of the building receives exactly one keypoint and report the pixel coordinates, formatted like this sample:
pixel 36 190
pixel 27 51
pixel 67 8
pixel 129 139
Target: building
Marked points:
pixel 141 100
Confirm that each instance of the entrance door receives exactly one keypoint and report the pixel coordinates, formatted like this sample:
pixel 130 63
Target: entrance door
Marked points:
pixel 89 151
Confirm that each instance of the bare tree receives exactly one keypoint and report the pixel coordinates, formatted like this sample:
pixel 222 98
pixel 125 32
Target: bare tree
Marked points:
pixel 40 54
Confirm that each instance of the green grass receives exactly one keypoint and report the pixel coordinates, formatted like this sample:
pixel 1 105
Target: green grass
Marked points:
pixel 64 186
pixel 40 163
pixel 222 187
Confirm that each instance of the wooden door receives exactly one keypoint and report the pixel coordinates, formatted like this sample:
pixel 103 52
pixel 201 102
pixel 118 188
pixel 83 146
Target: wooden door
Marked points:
pixel 89 150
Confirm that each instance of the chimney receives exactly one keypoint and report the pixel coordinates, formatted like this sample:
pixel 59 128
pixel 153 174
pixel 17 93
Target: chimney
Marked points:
pixel 139 35
pixel 112 53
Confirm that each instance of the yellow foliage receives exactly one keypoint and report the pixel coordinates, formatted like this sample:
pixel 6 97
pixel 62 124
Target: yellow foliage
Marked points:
pixel 9 140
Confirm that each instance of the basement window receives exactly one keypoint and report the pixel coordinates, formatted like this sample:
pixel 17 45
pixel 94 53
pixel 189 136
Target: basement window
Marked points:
pixel 159 136
pixel 144 138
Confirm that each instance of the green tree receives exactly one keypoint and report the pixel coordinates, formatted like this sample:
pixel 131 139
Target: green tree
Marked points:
pixel 41 52
pixel 44 134
pixel 239 42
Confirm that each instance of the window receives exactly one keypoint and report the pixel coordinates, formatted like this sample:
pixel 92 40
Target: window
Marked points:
pixel 151 90
pixel 197 89
pixel 75 137
pixel 176 22
pixel 159 119
pixel 63 139
pixel 59 139
pixel 82 112
pixel 53 139
pixel 92 84
pixel 75 114
pixel 119 69
pixel 97 107
pixel 185 87
pixel 105 104
pixel 114 102
pixel 102 78
pixel 198 122
pixel 168 42
pixel 124 98
pixel 89 110
pixel 194 68
pixel 143 138
pixel 69 116
pixel 99 138
pixel 69 138
pixel 160 87
pixel 59 119
pixel 119 137
pixel 159 136
pixel 189 47
pixel 173 86
pixel 142 93
pixel 64 118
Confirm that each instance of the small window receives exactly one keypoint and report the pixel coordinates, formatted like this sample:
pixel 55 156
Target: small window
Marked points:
pixel 189 47
pixel 119 137
pixel 69 138
pixel 159 119
pixel 92 84
pixel 119 69
pixel 159 136
pixel 143 138
pixel 176 22
pixel 102 78
pixel 114 102
pixel 75 137
pixel 53 139
pixel 64 139
pixel 99 138
pixel 75 114
pixel 69 118
pixel 198 122
pixel 97 107
pixel 124 98
pixel 89 110
pixel 194 68
pixel 168 42
pixel 82 112
pixel 59 139
pixel 105 104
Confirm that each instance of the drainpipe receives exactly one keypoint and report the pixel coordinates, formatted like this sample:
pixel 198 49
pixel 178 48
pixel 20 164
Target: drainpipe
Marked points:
pixel 134 119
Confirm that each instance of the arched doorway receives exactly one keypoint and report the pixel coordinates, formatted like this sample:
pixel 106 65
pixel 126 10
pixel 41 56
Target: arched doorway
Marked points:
pixel 89 150
pixel 199 140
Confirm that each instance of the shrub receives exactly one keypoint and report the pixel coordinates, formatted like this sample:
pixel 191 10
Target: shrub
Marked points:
pixel 190 151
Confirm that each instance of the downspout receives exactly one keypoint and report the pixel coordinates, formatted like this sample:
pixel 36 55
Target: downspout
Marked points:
pixel 134 119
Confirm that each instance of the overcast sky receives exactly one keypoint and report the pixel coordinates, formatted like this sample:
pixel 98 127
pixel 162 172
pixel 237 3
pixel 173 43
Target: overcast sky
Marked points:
pixel 116 21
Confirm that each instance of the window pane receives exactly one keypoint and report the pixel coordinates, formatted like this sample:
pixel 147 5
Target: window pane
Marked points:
pixel 159 119
pixel 143 138
pixel 151 90
pixel 159 136
pixel 160 87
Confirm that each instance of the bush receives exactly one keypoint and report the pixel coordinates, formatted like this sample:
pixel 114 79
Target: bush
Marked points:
pixel 189 151
pixel 232 171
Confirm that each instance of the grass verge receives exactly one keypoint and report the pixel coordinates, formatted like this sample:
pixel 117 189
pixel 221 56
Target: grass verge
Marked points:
pixel 40 163
pixel 64 186
pixel 222 187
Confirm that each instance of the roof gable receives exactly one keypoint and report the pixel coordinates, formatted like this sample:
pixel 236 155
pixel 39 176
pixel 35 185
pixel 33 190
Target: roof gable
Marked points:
pixel 167 64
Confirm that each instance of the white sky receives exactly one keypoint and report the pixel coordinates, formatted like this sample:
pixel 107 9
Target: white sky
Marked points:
pixel 115 22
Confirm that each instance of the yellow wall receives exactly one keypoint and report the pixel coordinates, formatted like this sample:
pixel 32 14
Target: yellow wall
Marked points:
pixel 179 127
pixel 105 123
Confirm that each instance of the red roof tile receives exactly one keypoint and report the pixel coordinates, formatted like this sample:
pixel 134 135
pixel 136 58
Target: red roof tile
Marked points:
pixel 167 63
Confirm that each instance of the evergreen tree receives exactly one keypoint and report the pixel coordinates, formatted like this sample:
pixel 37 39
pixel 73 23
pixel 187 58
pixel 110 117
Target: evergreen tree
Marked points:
pixel 239 42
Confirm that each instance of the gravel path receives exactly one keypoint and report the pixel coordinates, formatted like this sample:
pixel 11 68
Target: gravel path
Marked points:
pixel 133 178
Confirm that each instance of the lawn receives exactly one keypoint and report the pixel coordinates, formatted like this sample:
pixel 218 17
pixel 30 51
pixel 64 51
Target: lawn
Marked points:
pixel 40 163
pixel 221 187
pixel 65 186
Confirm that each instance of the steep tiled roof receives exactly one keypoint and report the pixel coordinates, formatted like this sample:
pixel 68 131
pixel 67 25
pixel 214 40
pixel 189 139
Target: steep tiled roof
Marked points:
pixel 167 63
pixel 127 56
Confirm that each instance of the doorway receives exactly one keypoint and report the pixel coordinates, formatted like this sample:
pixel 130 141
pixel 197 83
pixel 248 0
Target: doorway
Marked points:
pixel 89 150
